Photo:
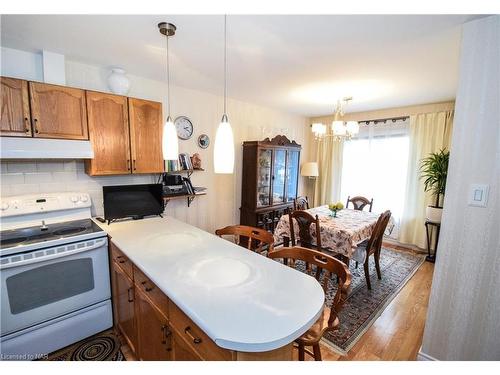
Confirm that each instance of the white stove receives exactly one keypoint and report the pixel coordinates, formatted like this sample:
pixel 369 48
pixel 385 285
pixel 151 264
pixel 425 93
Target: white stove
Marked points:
pixel 54 274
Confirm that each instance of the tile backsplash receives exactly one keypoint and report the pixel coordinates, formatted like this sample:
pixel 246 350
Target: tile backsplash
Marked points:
pixel 52 176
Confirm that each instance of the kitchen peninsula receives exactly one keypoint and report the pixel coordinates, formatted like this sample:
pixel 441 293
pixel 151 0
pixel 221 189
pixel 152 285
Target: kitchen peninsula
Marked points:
pixel 182 293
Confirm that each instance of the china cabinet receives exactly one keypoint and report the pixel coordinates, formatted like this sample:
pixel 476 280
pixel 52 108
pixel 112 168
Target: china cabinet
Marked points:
pixel 270 178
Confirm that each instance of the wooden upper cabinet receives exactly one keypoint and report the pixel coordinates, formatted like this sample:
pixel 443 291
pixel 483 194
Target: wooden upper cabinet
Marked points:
pixel 109 134
pixel 146 136
pixel 15 117
pixel 58 111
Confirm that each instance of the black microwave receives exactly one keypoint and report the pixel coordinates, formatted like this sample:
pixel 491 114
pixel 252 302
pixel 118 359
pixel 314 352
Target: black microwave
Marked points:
pixel 132 201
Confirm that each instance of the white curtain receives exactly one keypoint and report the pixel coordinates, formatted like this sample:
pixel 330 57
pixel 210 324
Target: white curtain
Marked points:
pixel 329 158
pixel 429 132
pixel 375 166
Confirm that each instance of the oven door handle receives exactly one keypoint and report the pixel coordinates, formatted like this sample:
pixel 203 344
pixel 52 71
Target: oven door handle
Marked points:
pixel 97 244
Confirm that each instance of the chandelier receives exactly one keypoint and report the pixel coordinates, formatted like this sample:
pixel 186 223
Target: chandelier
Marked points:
pixel 340 129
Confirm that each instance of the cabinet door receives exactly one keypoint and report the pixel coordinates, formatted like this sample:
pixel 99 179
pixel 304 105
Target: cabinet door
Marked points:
pixel 146 136
pixel 264 177
pixel 182 351
pixel 292 174
pixel 278 178
pixel 58 111
pixel 123 305
pixel 109 134
pixel 154 334
pixel 15 117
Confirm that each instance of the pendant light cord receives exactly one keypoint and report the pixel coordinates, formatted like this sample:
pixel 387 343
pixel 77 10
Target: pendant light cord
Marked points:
pixel 225 62
pixel 168 81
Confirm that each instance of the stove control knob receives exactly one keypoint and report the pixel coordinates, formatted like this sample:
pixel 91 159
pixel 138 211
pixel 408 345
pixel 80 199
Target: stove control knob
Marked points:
pixel 4 206
pixel 84 198
pixel 74 198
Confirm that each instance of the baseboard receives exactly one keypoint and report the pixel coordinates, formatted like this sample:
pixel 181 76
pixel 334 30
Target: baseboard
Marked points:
pixel 421 356
pixel 390 241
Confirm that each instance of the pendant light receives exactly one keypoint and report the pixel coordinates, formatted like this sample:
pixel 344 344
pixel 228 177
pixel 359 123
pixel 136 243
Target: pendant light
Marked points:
pixel 170 143
pixel 224 140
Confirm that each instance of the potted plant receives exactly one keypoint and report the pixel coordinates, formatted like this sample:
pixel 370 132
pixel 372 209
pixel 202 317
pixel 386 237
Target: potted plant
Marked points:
pixel 334 207
pixel 434 170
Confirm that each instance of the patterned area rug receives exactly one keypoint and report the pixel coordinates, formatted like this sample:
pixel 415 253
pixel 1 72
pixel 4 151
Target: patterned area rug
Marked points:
pixel 104 346
pixel 364 306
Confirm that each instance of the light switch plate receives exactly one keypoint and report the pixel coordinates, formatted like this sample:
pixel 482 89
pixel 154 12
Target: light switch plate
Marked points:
pixel 478 195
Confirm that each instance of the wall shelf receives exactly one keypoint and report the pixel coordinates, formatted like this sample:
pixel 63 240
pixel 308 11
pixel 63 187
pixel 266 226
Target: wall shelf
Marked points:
pixel 189 197
pixel 188 171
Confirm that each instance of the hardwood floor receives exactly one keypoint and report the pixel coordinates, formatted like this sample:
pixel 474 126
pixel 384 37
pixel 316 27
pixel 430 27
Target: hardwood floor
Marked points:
pixel 396 334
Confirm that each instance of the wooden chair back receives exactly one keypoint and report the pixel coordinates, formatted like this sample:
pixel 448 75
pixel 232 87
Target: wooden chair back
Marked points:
pixel 252 238
pixel 301 203
pixel 316 264
pixel 304 221
pixel 359 202
pixel 374 244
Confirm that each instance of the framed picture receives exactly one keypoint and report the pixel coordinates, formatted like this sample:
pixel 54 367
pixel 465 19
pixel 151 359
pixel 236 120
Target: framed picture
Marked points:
pixel 203 141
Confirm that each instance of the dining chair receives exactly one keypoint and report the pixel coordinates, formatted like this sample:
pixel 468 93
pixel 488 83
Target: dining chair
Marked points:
pixel 252 238
pixel 301 203
pixel 305 237
pixel 322 267
pixel 359 202
pixel 374 246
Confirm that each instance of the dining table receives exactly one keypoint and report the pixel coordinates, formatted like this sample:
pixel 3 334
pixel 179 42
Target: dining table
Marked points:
pixel 340 234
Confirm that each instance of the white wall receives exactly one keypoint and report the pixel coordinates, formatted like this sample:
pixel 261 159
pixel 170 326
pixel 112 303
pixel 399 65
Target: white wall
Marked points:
pixel 463 320
pixel 220 207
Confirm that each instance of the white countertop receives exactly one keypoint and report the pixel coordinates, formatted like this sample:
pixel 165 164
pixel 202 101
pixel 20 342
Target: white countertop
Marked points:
pixel 242 300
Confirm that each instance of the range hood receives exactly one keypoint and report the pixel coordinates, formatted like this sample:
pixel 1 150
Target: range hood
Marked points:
pixel 38 148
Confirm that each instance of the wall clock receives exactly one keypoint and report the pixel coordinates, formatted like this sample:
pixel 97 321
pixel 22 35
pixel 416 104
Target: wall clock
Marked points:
pixel 184 127
pixel 203 141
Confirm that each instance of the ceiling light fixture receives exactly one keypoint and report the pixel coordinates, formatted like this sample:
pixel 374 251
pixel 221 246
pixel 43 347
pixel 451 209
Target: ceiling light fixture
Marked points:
pixel 340 129
pixel 224 140
pixel 170 143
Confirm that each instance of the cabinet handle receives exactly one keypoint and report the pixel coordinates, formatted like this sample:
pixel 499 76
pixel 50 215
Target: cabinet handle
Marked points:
pixel 27 128
pixel 121 259
pixel 128 164
pixel 187 331
pixel 35 126
pixel 166 334
pixel 130 299
pixel 133 163
pixel 147 288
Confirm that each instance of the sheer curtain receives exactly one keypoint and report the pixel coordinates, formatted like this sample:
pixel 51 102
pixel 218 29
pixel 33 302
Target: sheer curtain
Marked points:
pixel 429 132
pixel 375 166
pixel 329 157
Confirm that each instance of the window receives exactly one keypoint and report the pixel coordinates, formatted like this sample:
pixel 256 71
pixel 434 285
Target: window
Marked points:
pixel 375 166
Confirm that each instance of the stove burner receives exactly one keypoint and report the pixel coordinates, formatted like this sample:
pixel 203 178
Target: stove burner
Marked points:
pixel 12 241
pixel 68 230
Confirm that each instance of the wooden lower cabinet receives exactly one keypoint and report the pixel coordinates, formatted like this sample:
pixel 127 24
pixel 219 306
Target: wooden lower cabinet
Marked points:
pixel 153 331
pixel 157 330
pixel 182 351
pixel 124 305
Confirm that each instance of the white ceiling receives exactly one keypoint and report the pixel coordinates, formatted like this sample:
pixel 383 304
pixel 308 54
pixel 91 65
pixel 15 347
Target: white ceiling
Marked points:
pixel 300 64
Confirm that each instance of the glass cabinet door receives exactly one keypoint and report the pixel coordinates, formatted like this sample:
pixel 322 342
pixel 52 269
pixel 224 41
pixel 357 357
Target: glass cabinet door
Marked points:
pixel 264 177
pixel 292 175
pixel 279 170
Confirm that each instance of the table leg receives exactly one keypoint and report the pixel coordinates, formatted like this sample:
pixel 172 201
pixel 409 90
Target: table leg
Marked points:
pixel 286 241
pixel 429 257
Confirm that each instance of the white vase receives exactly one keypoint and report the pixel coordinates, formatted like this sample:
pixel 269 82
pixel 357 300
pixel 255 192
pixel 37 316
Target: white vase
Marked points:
pixel 434 214
pixel 118 82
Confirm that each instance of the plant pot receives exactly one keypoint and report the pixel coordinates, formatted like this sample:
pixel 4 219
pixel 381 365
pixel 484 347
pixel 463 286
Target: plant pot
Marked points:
pixel 434 213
